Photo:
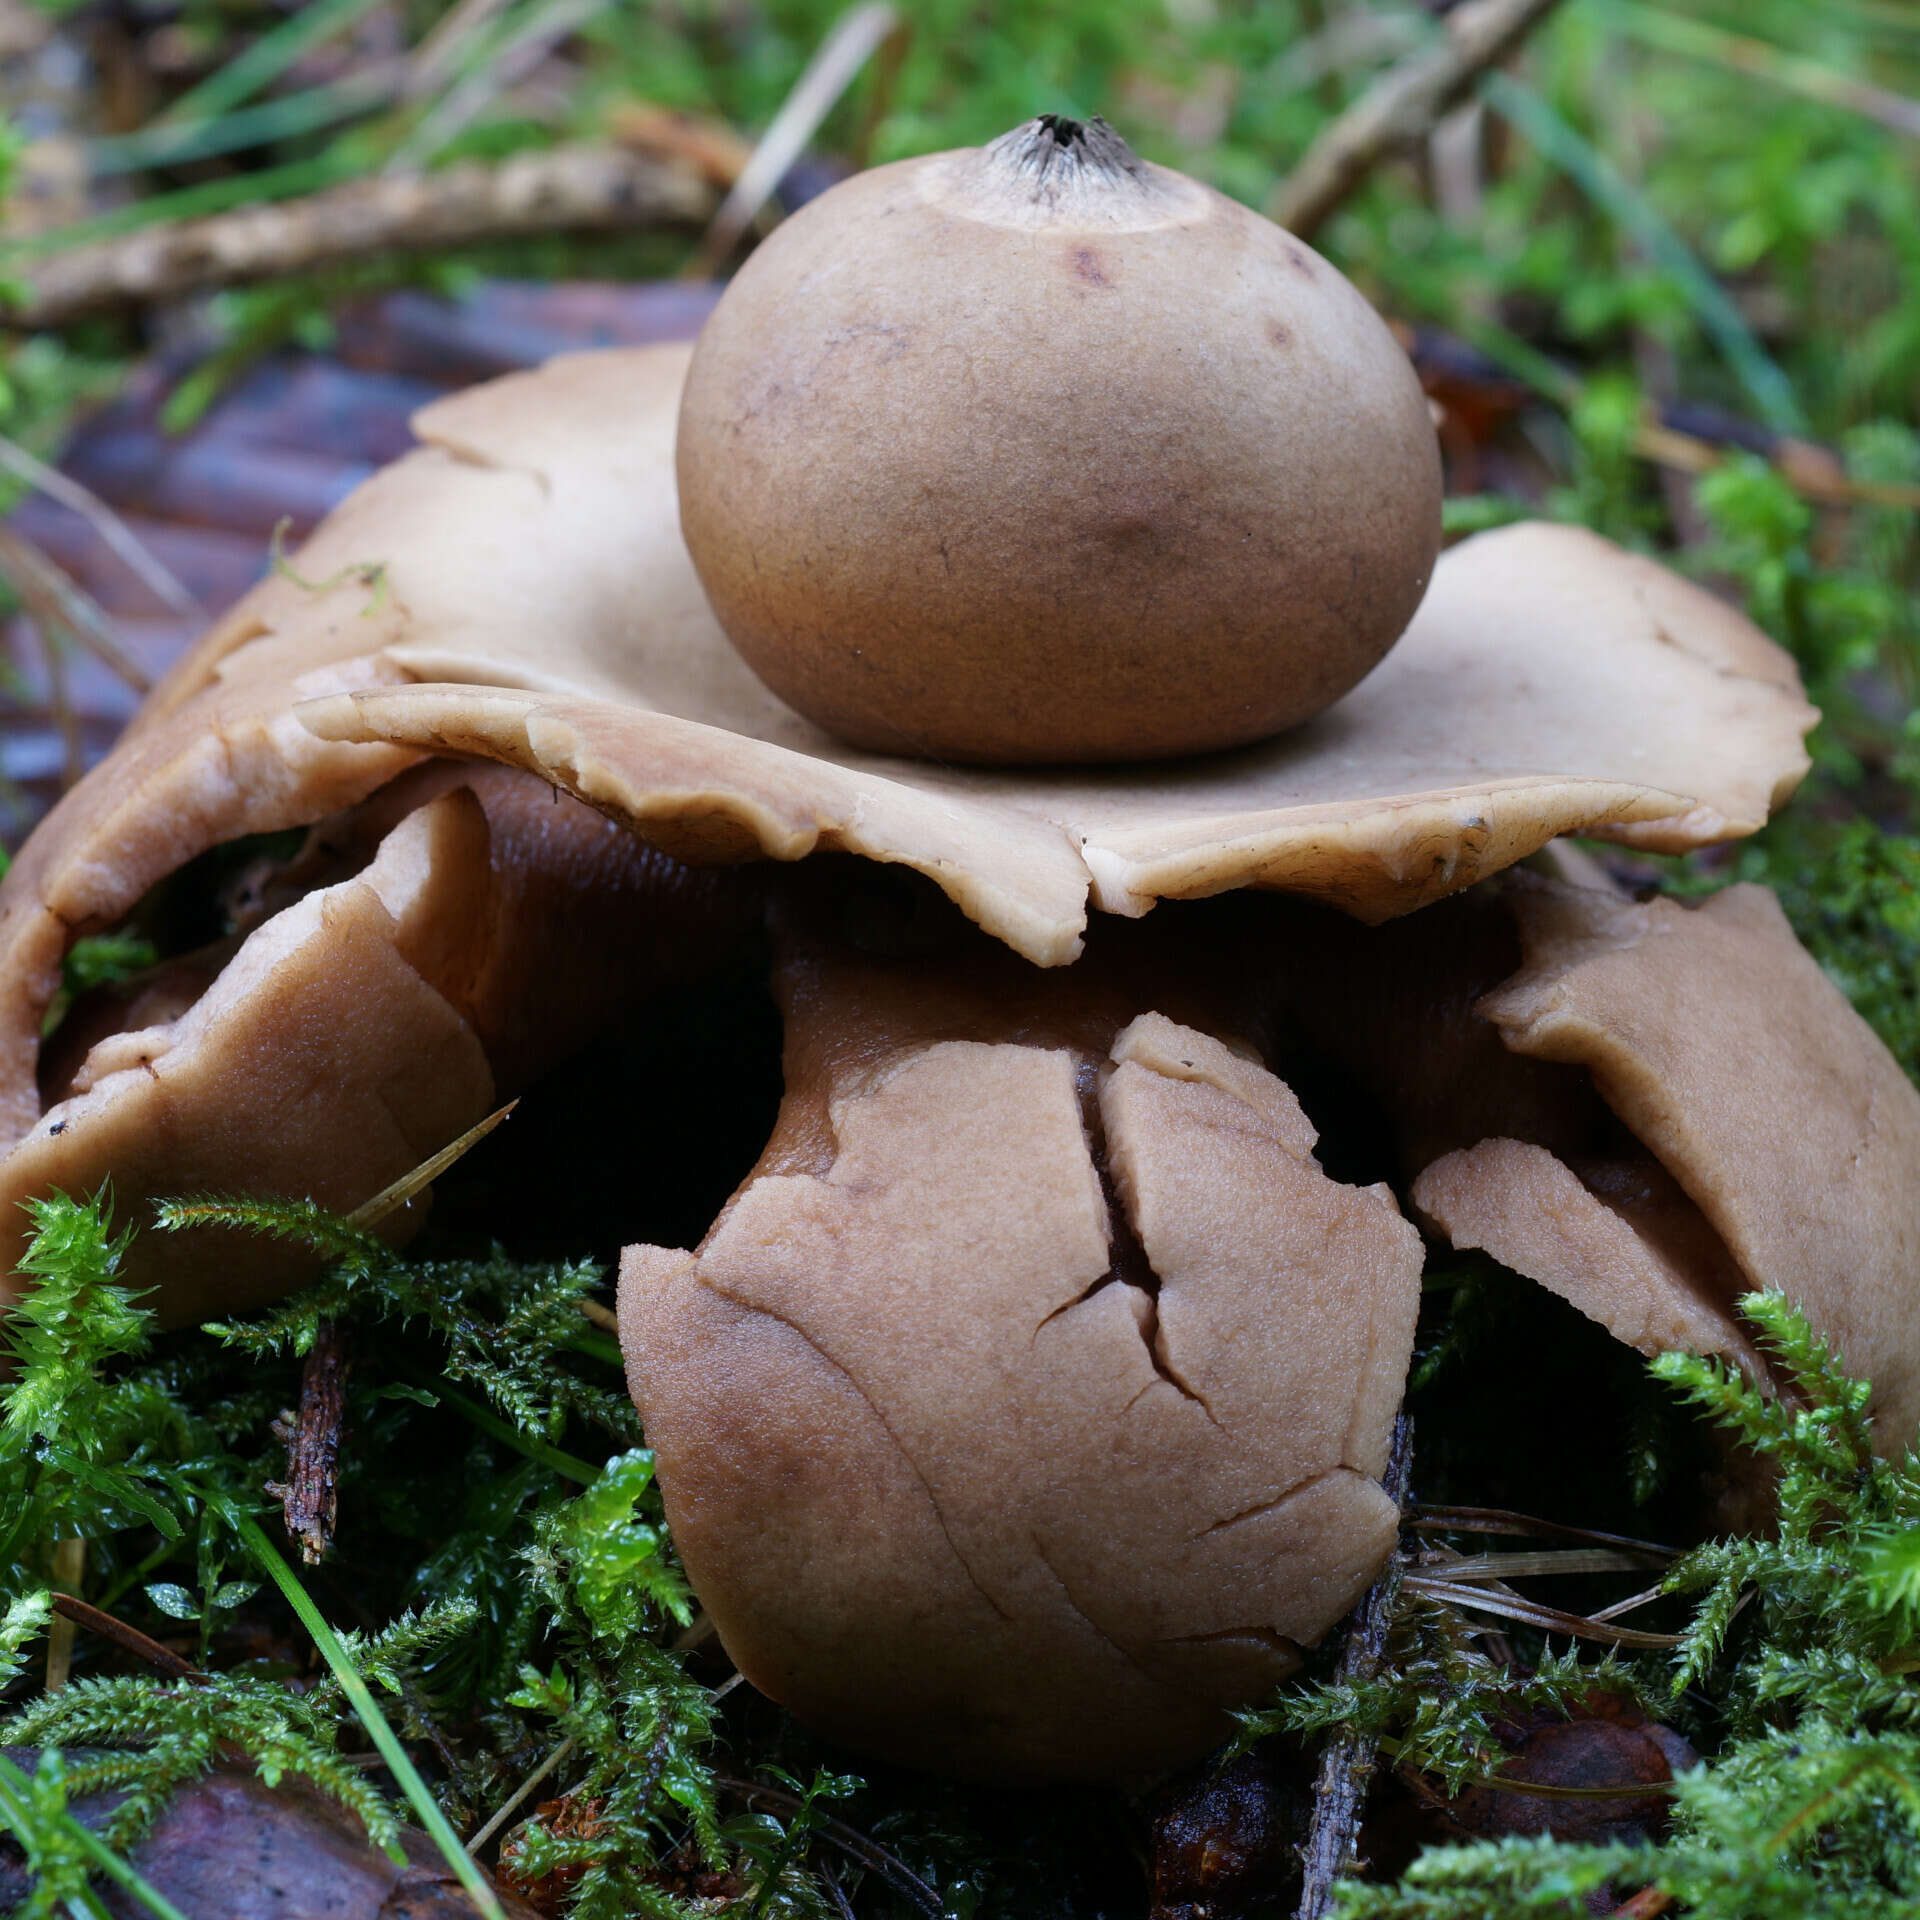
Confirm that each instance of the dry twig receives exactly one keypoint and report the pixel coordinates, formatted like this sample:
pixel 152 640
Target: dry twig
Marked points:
pixel 710 147
pixel 1346 1763
pixel 503 1813
pixel 1648 1904
pixel 571 188
pixel 59 604
pixel 855 38
pixel 309 1498
pixel 79 1614
pixel 1401 108
pixel 104 521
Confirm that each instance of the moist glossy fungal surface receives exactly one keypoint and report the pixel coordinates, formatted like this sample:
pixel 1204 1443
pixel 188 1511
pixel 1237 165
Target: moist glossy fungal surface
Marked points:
pixel 1036 452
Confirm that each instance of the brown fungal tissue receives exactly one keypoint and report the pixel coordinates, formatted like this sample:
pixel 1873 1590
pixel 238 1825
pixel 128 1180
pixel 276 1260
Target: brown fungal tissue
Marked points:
pixel 1037 452
pixel 429 953
pixel 1023 1411
pixel 1025 1408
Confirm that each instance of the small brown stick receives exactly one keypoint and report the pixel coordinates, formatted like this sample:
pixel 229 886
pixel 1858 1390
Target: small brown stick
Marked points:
pixel 1814 472
pixel 1400 109
pixel 570 188
pixel 1346 1763
pixel 505 1811
pixel 309 1498
pixel 80 1614
pixel 104 521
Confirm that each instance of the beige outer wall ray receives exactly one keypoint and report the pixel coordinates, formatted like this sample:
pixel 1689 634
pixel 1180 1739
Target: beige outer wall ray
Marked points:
pixel 527 560
pixel 955 1488
pixel 326 1015
pixel 1715 1036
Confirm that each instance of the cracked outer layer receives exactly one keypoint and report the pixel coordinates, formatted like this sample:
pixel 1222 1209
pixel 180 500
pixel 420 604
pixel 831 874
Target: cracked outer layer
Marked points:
pixel 1023 1411
pixel 1647 1107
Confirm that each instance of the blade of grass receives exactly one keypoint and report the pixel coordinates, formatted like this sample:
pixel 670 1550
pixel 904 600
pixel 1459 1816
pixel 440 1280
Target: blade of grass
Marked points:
pixel 1596 176
pixel 1516 1566
pixel 104 521
pixel 1696 40
pixel 1530 1613
pixel 15 1792
pixel 519 48
pixel 598 1346
pixel 390 1199
pixel 568 1464
pixel 360 1697
pixel 854 39
pixel 284 118
pixel 60 605
pixel 267 59
pixel 448 44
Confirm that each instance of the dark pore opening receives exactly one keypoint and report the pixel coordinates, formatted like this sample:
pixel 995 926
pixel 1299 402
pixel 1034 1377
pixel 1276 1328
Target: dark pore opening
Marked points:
pixel 642 1137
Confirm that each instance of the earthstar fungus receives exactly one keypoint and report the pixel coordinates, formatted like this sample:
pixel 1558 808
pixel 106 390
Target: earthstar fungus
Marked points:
pixel 1023 1411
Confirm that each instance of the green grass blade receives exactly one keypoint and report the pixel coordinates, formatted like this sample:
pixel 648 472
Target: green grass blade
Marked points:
pixel 15 1788
pixel 601 1346
pixel 285 118
pixel 1610 190
pixel 568 1464
pixel 360 1697
pixel 1742 54
pixel 267 59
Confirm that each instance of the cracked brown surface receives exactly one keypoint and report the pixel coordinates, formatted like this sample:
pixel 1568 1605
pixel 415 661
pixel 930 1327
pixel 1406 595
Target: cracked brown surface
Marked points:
pixel 981 1462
